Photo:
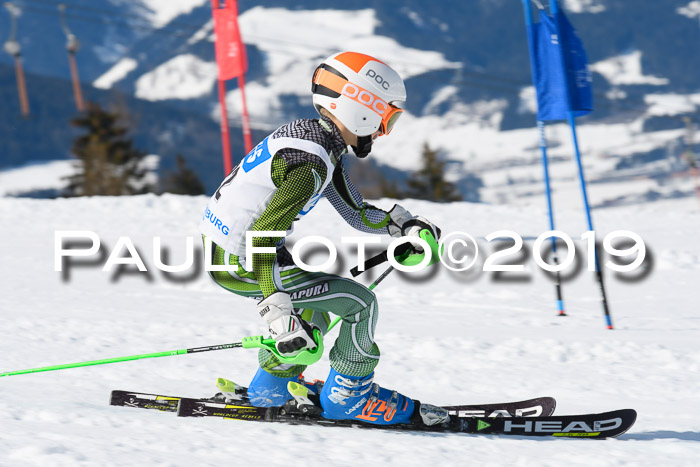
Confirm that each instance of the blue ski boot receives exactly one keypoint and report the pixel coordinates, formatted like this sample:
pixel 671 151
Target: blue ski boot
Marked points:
pixel 357 398
pixel 268 390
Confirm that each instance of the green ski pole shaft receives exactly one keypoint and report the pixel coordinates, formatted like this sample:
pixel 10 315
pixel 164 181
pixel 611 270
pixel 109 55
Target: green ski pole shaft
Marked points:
pixel 381 278
pixel 371 287
pixel 250 343
pixel 124 359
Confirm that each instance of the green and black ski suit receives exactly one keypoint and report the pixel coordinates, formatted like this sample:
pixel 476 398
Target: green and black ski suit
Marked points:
pixel 275 185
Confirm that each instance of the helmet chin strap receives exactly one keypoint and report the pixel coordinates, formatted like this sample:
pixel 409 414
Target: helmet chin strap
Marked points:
pixel 364 146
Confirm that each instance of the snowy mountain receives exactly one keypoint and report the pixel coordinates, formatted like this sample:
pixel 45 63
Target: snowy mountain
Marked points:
pixel 445 338
pixel 465 63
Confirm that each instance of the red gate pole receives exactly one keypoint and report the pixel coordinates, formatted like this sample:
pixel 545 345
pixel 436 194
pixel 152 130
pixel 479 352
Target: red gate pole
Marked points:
pixel 225 140
pixel 247 137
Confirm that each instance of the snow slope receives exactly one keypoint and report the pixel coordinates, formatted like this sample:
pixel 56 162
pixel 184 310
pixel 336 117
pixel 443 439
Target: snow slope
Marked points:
pixel 447 339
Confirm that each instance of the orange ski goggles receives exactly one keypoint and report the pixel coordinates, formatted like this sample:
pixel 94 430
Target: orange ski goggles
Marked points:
pixel 338 85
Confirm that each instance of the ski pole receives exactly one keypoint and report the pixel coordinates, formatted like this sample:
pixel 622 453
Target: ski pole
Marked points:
pixel 407 258
pixel 307 357
pixel 124 359
pixel 371 287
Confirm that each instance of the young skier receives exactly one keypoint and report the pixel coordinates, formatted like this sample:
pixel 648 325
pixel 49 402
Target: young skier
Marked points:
pixel 278 183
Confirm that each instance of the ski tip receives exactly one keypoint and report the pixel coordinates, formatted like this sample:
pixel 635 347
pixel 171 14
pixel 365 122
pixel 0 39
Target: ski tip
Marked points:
pixel 630 416
pixel 548 404
pixel 552 401
pixel 547 399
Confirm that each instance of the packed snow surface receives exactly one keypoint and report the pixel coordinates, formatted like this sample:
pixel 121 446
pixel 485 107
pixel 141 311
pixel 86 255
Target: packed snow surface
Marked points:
pixel 446 338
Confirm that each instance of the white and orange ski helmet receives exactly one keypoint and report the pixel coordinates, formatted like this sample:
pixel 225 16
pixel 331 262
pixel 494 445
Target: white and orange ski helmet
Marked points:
pixel 360 91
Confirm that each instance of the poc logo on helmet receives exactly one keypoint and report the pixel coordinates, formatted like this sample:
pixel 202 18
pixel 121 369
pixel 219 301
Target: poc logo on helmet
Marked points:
pixel 378 78
pixel 365 98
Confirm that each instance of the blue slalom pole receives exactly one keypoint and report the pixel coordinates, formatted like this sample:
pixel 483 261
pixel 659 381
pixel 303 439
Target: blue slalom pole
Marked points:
pixel 545 163
pixel 582 180
pixel 572 124
pixel 550 208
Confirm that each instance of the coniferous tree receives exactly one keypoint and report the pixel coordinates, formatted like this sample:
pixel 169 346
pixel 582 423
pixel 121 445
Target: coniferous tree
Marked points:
pixel 184 181
pixel 429 182
pixel 110 165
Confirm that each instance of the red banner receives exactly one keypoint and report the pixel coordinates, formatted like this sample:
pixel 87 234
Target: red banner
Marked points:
pixel 230 51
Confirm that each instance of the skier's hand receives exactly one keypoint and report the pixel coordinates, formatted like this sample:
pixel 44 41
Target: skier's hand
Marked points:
pixel 404 224
pixel 291 333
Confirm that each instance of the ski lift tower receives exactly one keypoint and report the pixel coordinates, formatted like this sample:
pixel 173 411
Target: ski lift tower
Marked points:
pixel 13 48
pixel 72 46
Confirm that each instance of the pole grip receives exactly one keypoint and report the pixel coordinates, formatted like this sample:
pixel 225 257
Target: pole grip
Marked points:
pixel 306 357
